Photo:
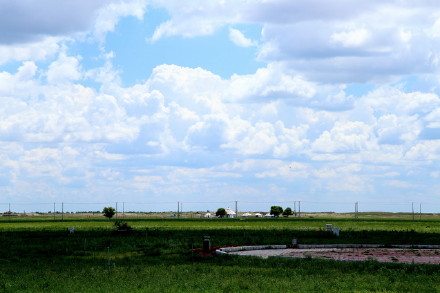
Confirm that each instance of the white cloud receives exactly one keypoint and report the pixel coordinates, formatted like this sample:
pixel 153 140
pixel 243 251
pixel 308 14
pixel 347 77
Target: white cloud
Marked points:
pixel 349 136
pixel 353 38
pixel 239 39
pixel 286 123
pixel 338 41
pixel 35 51
pixel 109 15
pixel 63 70
pixel 31 21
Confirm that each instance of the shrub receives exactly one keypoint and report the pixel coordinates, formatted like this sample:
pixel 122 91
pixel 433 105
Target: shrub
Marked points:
pixel 108 212
pixel 221 212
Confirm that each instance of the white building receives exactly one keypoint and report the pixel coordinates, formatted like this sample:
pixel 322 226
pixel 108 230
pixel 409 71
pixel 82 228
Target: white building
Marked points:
pixel 230 213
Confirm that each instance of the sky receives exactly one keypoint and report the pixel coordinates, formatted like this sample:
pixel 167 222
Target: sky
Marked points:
pixel 263 102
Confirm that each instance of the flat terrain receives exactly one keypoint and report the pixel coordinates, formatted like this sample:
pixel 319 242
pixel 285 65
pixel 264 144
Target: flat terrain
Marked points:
pixel 162 254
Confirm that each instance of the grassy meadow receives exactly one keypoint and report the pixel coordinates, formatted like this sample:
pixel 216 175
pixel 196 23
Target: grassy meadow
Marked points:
pixel 160 255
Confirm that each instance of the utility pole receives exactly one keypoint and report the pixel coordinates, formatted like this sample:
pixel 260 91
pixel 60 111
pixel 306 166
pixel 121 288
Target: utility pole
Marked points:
pixel 62 211
pixel 178 209
pixel 236 209
pixel 54 211
pixel 412 209
pixel 116 216
pixel 299 209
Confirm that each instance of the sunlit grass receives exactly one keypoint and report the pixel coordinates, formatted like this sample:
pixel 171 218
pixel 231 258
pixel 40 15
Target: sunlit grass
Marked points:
pixel 157 256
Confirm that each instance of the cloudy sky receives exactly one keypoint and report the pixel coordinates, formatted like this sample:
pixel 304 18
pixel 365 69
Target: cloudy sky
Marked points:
pixel 151 102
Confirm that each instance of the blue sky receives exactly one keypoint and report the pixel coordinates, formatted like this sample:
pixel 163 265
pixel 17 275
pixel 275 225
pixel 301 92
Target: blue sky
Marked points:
pixel 151 102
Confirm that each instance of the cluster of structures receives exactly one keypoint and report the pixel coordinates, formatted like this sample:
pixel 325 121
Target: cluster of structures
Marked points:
pixel 231 214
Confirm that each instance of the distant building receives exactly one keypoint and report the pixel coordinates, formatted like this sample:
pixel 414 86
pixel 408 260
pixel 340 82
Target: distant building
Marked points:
pixel 230 213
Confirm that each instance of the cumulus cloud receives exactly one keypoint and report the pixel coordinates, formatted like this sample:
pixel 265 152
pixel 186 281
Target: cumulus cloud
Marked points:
pixel 30 21
pixel 238 38
pixel 184 128
pixel 331 42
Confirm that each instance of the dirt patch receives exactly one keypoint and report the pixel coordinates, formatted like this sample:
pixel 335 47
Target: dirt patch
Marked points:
pixel 397 255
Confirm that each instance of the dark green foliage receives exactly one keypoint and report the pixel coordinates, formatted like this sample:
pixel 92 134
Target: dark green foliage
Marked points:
pixel 287 212
pixel 160 259
pixel 108 212
pixel 276 210
pixel 123 227
pixel 221 212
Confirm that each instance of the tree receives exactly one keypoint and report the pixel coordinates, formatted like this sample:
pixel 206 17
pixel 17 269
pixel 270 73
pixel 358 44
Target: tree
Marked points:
pixel 287 212
pixel 221 212
pixel 108 212
pixel 276 210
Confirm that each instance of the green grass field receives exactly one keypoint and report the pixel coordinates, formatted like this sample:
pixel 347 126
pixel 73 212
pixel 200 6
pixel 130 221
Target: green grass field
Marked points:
pixel 39 255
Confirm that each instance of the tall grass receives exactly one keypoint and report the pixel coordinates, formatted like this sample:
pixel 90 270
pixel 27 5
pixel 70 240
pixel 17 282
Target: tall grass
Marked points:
pixel 158 257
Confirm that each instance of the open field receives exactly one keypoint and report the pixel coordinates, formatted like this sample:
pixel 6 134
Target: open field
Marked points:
pixel 39 255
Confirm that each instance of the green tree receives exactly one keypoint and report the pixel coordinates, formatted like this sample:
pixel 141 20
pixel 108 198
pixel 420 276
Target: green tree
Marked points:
pixel 221 212
pixel 276 210
pixel 108 212
pixel 287 212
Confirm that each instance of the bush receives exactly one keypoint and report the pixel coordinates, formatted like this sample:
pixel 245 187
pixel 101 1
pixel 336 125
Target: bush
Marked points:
pixel 123 226
pixel 108 212
pixel 221 212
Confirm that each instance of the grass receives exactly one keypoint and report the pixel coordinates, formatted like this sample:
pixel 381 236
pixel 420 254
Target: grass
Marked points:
pixel 40 256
